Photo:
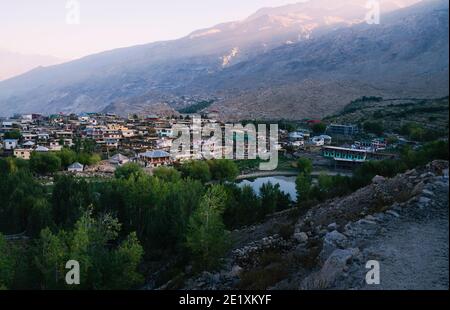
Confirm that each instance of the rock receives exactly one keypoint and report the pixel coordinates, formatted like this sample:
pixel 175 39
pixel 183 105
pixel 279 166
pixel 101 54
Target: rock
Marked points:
pixel 336 238
pixel 332 241
pixel 215 278
pixel 301 237
pixel 378 179
pixel 332 227
pixel 301 252
pixel 333 268
pixel 424 200
pixel 393 213
pixel 427 175
pixel 370 218
pixel 322 233
pixel 367 222
pixel 379 217
pixel 410 172
pixel 428 193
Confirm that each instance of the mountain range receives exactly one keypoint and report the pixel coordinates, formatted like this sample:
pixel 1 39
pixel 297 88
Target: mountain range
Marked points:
pixel 296 61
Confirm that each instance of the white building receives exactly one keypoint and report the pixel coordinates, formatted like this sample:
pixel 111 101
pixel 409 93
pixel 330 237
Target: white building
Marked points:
pixel 317 141
pixel 75 167
pixel 10 144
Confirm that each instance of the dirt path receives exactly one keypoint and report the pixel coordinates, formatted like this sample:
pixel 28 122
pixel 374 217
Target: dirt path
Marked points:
pixel 413 250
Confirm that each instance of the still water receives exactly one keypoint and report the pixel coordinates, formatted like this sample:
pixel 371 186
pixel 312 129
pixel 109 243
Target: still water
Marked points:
pixel 287 184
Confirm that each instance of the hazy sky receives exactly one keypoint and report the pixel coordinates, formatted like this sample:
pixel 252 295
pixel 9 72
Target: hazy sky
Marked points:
pixel 39 26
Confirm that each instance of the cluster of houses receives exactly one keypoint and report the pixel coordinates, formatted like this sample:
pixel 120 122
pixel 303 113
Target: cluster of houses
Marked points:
pixel 346 155
pixel 148 139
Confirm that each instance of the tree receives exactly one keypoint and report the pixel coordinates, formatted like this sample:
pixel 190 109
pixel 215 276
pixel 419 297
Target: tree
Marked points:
pixel 18 191
pixel 126 260
pixel 6 264
pixel 223 169
pixel 91 244
pixel 374 127
pixel 40 217
pixel 70 197
pixel 243 206
pixel 303 186
pixel 88 158
pixel 128 170
pixel 197 170
pixel 44 163
pixel 167 174
pixel 13 134
pixel 319 128
pixel 207 238
pixel 269 198
pixel 50 252
pixel 305 166
pixel 67 157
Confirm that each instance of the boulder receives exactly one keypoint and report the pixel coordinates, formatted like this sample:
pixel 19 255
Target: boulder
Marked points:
pixel 333 268
pixel 301 237
pixel 332 227
pixel 378 179
pixel 332 241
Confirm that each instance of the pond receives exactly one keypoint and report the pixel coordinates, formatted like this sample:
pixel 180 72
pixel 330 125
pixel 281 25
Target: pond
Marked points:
pixel 287 184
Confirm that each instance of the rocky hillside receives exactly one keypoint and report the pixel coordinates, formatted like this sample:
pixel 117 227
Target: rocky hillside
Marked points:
pixel 295 61
pixel 406 56
pixel 401 222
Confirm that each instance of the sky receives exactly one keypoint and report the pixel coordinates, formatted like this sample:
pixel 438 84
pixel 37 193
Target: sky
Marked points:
pixel 52 27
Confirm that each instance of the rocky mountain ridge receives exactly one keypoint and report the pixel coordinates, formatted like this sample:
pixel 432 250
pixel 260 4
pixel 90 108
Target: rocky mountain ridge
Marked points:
pixel 282 62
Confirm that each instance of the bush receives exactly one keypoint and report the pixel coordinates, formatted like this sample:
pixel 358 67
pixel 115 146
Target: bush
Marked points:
pixel 223 170
pixel 128 170
pixel 44 163
pixel 67 157
pixel 319 128
pixel 374 127
pixel 305 166
pixel 167 174
pixel 14 134
pixel 197 170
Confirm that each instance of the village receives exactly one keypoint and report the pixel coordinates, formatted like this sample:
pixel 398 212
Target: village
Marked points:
pixel 147 140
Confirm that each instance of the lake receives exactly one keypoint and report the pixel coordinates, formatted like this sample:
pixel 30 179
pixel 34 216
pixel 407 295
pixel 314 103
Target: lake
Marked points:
pixel 287 184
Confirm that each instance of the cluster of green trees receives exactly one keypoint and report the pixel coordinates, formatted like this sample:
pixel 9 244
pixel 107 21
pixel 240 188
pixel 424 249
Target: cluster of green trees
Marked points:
pixel 211 170
pixel 59 226
pixel 374 127
pixel 13 134
pixel 51 162
pixel 244 207
pixel 197 107
pixel 417 132
pixel 319 128
pixel 112 226
pixel 326 187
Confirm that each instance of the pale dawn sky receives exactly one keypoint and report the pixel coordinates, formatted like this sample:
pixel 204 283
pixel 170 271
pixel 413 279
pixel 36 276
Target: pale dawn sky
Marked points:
pixel 40 27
